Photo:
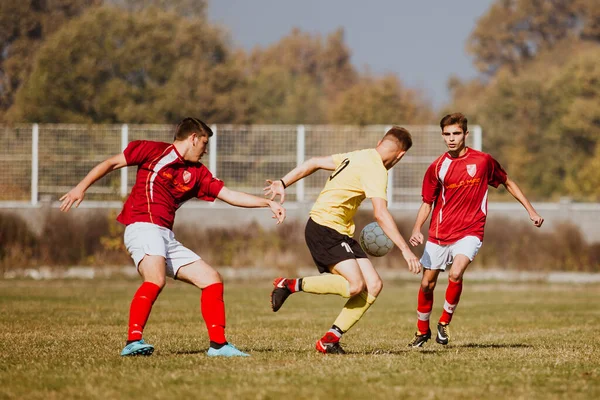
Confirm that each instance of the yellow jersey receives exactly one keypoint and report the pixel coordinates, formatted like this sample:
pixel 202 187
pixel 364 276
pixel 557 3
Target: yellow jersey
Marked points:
pixel 358 175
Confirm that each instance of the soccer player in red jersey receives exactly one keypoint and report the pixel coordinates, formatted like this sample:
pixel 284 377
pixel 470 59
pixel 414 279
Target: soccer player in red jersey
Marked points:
pixel 456 187
pixel 167 176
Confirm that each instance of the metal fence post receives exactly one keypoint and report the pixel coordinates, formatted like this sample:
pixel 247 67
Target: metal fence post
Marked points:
pixel 300 152
pixel 35 136
pixel 477 137
pixel 212 151
pixel 124 143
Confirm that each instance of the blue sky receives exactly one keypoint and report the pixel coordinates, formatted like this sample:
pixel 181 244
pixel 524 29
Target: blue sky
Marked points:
pixel 423 42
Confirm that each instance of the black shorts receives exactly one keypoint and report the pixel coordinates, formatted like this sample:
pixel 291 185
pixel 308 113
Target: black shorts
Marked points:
pixel 328 247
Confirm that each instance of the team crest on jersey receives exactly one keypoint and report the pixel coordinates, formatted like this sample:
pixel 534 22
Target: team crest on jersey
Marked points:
pixel 187 176
pixel 472 169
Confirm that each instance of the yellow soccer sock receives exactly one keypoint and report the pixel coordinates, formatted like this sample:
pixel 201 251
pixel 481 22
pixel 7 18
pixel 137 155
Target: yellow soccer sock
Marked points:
pixel 353 310
pixel 326 284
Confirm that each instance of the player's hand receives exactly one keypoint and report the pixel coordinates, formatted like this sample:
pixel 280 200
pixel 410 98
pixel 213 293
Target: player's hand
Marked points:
pixel 73 198
pixel 278 211
pixel 274 189
pixel 416 238
pixel 536 219
pixel 414 265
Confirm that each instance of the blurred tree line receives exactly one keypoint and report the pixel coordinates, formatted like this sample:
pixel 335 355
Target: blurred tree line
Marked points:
pixel 152 61
pixel 538 98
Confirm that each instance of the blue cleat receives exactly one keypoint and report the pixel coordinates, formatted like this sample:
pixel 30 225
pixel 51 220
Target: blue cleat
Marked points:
pixel 228 350
pixel 138 348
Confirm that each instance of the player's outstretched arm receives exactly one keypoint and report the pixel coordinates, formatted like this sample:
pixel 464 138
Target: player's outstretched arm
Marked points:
pixel 387 223
pixel 516 192
pixel 277 187
pixel 75 196
pixel 417 238
pixel 241 199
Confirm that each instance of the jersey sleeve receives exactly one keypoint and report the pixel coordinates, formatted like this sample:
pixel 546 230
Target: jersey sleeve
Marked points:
pixel 338 158
pixel 431 185
pixel 497 175
pixel 138 151
pixel 208 186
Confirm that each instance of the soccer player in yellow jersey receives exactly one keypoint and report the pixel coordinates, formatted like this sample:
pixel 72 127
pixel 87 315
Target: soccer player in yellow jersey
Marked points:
pixel 356 175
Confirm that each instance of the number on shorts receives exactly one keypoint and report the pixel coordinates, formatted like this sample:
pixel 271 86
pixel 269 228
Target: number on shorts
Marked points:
pixel 347 247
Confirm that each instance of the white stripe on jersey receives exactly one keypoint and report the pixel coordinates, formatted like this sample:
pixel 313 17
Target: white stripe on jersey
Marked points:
pixel 442 175
pixel 167 159
pixel 444 169
pixel 484 203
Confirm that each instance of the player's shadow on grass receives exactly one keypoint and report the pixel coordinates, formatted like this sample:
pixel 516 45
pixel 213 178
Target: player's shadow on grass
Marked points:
pixel 187 352
pixel 493 345
pixel 435 350
pixel 383 352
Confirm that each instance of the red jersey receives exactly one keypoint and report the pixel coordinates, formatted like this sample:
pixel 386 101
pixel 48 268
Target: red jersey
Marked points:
pixel 459 189
pixel 164 181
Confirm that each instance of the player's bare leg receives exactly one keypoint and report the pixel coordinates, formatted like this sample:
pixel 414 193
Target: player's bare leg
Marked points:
pixel 152 270
pixel 424 307
pixel 212 306
pixel 455 279
pixel 199 273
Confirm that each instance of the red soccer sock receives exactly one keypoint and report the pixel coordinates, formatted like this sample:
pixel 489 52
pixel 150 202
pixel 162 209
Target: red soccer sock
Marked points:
pixel 452 297
pixel 294 285
pixel 141 305
pixel 424 306
pixel 212 307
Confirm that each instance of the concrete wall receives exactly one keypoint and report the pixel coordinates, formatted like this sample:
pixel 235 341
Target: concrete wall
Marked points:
pixel 584 215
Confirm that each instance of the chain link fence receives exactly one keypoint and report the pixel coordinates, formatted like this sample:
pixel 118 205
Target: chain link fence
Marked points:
pixel 45 161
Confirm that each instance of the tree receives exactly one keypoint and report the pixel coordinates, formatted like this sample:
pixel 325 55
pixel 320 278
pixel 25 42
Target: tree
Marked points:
pixel 296 79
pixel 578 122
pixel 543 124
pixel 184 8
pixel 279 96
pixel 379 101
pixel 145 67
pixel 338 74
pixel 297 53
pixel 512 32
pixel 24 25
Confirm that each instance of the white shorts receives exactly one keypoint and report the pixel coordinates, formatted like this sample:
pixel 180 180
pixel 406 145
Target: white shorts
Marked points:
pixel 143 238
pixel 437 256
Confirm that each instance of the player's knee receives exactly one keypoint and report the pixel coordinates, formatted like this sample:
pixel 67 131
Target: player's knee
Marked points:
pixel 159 281
pixel 356 287
pixel 374 288
pixel 428 286
pixel 455 276
pixel 216 277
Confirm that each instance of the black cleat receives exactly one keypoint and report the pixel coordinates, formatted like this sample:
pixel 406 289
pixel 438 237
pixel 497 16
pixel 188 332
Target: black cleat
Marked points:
pixel 420 340
pixel 329 345
pixel 279 294
pixel 443 334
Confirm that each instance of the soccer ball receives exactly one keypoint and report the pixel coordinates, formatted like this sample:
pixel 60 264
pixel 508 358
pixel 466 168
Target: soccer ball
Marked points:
pixel 374 241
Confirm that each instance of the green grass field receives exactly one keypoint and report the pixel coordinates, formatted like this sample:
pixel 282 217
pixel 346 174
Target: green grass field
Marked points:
pixel 62 339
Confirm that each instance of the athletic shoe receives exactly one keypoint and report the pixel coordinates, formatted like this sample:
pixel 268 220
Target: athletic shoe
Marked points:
pixel 279 293
pixel 420 340
pixel 227 350
pixel 138 348
pixel 443 334
pixel 330 344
